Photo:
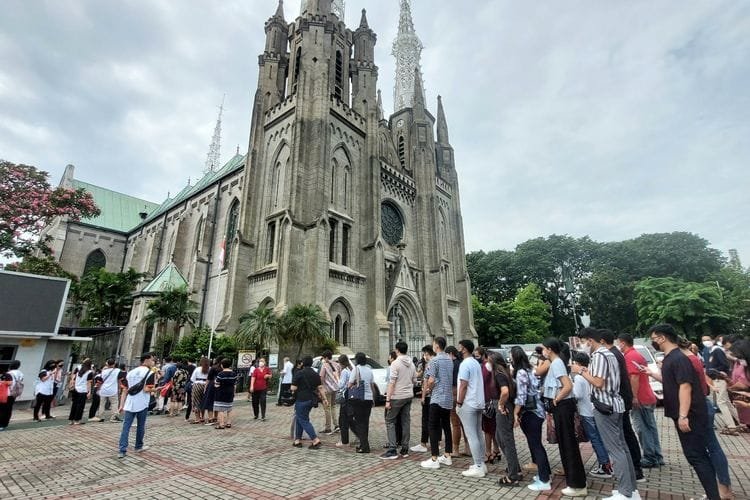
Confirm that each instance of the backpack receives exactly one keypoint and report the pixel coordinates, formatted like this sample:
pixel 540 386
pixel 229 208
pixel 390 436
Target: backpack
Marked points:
pixel 180 380
pixel 17 388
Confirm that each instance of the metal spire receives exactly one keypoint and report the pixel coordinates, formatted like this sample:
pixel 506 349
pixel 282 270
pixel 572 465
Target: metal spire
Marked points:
pixel 338 7
pixel 407 49
pixel 214 150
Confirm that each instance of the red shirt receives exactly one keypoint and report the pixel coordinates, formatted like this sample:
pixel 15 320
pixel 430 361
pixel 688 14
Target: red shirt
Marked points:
pixel 698 367
pixel 645 394
pixel 259 378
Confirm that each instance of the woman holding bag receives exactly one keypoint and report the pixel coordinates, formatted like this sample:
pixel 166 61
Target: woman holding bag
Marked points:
pixel 360 397
pixel 345 409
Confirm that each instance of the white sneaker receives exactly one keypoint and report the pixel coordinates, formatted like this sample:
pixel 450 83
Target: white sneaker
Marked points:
pixel 574 492
pixel 540 486
pixel 443 460
pixel 430 464
pixel 418 449
pixel 141 450
pixel 616 495
pixel 474 471
pixel 484 468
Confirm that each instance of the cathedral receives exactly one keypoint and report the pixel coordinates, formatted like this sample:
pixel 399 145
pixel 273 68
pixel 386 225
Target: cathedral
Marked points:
pixel 334 204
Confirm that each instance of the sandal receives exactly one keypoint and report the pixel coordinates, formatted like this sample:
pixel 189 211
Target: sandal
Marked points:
pixel 316 446
pixel 228 426
pixel 219 427
pixel 298 444
pixel 507 481
pixel 729 432
pixel 197 421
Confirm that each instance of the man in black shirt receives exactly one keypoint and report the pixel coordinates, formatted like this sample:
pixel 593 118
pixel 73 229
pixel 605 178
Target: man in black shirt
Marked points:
pixel 684 403
pixel 626 392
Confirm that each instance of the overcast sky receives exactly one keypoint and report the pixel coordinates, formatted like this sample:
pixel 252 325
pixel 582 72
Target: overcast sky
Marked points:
pixel 607 118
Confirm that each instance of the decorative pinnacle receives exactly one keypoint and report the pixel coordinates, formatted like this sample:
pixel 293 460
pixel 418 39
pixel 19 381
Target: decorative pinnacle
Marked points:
pixel 214 150
pixel 280 10
pixel 442 124
pixel 363 21
pixel 407 49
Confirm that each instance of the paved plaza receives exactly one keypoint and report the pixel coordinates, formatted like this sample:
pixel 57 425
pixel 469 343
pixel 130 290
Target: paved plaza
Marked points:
pixel 255 459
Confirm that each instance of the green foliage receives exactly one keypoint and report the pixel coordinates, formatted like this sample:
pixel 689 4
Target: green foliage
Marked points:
pixel 42 266
pixel 195 345
pixel 525 319
pixel 694 308
pixel 258 329
pixel 173 305
pixel 105 297
pixel 305 324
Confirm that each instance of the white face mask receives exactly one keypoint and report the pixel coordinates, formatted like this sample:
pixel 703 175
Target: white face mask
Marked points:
pixel 261 365
pixel 743 362
pixel 708 343
pixel 586 347
pixel 488 365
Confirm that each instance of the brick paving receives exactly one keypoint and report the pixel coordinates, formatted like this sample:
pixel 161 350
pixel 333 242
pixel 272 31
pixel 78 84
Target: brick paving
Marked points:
pixel 254 459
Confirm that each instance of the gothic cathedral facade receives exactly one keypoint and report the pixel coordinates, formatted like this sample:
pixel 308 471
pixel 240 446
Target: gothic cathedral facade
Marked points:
pixel 335 205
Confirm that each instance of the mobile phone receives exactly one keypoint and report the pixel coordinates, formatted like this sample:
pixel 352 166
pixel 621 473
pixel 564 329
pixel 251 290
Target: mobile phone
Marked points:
pixel 640 367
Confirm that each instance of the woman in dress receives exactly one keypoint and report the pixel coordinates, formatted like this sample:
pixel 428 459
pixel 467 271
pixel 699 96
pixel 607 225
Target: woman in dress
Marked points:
pixel 491 393
pixel 529 415
pixel 741 379
pixel 307 386
pixel 199 379
pixel 224 387
pixel 504 419
pixel 208 397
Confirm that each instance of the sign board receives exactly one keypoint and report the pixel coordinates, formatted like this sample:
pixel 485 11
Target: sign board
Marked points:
pixel 31 304
pixel 273 360
pixel 245 359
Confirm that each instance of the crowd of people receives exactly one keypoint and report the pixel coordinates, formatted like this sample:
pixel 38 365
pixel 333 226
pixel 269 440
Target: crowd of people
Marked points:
pixel 599 392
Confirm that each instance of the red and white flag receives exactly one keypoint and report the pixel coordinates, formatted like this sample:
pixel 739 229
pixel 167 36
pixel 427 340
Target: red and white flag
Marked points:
pixel 223 253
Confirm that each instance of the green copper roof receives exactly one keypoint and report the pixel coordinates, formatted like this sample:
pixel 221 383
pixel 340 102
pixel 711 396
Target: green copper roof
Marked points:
pixel 169 277
pixel 120 212
pixel 234 164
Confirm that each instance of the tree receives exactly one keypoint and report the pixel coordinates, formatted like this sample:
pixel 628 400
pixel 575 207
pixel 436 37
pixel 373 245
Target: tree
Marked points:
pixel 305 324
pixel 533 313
pixel 258 328
pixel 173 305
pixel 694 308
pixel 43 266
pixel 28 204
pixel 105 297
pixel 195 345
pixel 525 319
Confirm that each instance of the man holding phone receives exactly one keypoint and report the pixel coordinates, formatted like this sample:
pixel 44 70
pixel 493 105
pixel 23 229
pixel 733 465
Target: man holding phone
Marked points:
pixel 644 404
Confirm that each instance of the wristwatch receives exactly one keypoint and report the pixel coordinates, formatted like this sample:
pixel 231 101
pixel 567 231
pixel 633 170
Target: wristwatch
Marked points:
pixel 683 417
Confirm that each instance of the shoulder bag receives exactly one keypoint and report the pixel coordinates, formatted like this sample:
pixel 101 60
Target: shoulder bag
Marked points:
pixel 358 391
pixel 600 406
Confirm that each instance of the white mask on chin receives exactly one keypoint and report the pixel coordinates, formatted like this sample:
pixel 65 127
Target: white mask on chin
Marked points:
pixel 708 343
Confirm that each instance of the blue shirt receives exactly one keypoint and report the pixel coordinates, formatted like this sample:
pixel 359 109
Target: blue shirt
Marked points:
pixel 441 369
pixel 471 371
pixel 552 384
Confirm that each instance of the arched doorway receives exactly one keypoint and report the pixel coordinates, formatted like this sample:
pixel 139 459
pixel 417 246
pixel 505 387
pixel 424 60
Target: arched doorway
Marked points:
pixel 341 321
pixel 406 325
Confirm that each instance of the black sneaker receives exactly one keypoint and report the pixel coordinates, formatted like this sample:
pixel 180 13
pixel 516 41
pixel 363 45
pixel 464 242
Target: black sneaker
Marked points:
pixel 404 452
pixel 389 455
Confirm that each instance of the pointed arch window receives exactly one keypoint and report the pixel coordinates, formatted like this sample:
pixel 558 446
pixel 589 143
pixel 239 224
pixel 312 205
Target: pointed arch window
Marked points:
pixel 276 184
pixel 271 246
pixel 95 261
pixel 339 85
pixel 297 62
pixel 402 151
pixel 198 240
pixel 232 222
pixel 334 173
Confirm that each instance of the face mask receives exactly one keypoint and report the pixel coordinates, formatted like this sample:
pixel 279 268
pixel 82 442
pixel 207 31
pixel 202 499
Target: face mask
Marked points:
pixel 655 346
pixel 586 347
pixel 261 365
pixel 708 343
pixel 743 363
pixel 488 365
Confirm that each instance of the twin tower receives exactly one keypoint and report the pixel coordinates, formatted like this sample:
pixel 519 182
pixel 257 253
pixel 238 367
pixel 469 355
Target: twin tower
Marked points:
pixel 341 206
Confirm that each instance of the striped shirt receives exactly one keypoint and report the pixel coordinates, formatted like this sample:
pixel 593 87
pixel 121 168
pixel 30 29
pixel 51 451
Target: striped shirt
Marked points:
pixel 604 365
pixel 441 369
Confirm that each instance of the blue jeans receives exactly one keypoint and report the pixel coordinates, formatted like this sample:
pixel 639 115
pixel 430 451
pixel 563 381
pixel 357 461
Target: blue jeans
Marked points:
pixel 139 432
pixel 714 448
pixel 471 418
pixel 596 440
pixel 302 413
pixel 645 426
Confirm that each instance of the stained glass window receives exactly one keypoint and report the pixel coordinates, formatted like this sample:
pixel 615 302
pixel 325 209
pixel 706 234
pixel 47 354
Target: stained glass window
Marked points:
pixel 392 224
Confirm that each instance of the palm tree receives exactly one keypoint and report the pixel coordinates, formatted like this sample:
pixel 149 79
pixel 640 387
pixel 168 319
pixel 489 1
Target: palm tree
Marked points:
pixel 173 304
pixel 305 324
pixel 258 328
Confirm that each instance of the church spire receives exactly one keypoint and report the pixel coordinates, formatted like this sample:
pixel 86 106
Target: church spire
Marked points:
pixel 280 11
pixel 419 101
pixel 381 113
pixel 442 124
pixel 407 49
pixel 363 22
pixel 214 150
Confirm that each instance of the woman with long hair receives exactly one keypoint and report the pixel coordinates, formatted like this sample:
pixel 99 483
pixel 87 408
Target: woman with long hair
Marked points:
pixel 504 419
pixel 529 415
pixel 560 402
pixel 199 379
pixel 80 392
pixel 491 393
pixel 345 409
pixel 208 396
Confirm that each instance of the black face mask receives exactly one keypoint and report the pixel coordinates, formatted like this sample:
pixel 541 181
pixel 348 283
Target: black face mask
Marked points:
pixel 655 346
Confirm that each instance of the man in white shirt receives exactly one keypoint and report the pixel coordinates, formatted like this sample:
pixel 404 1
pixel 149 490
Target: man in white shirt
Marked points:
pixel 469 406
pixel 286 380
pixel 108 391
pixel 140 383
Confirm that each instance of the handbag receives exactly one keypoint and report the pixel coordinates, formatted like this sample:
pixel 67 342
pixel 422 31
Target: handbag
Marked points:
pixel 490 409
pixel 551 431
pixel 581 435
pixel 358 390
pixel 341 396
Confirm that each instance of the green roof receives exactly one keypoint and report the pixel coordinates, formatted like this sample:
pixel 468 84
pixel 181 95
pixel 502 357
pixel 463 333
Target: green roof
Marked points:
pixel 120 212
pixel 237 162
pixel 169 277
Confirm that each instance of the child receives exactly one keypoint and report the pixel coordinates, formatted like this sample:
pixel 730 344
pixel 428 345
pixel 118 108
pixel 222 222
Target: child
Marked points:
pixel 225 383
pixel 582 393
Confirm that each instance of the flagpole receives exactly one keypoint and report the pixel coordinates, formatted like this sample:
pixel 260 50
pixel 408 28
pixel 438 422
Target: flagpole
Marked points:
pixel 216 298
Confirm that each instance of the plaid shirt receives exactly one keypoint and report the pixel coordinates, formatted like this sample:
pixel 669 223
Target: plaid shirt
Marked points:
pixel 441 370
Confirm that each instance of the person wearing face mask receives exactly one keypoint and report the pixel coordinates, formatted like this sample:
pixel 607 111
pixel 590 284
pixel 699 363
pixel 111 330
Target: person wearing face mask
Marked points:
pixel 717 369
pixel 740 350
pixel 685 404
pixel 259 388
pixel 491 393
pixel 469 406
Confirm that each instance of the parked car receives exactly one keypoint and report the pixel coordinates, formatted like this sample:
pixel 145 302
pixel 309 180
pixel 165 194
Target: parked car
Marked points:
pixel 648 355
pixel 378 377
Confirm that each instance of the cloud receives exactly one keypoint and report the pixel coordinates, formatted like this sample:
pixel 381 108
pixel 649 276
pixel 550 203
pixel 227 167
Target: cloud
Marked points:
pixel 603 118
